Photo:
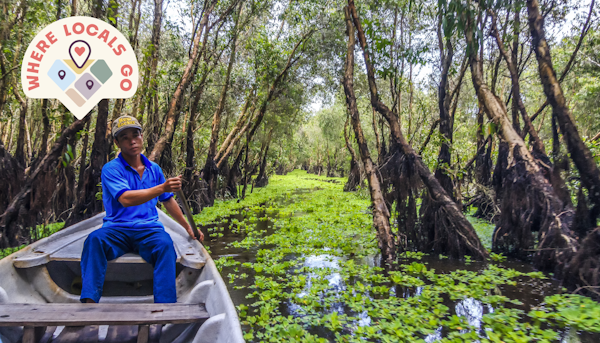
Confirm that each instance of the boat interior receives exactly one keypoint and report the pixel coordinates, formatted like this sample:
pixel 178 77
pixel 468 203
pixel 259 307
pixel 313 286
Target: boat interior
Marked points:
pixel 48 271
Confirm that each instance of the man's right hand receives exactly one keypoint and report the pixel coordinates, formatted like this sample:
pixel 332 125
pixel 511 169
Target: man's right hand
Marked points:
pixel 173 184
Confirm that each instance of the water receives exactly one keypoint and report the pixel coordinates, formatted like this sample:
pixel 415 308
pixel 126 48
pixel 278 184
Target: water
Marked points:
pixel 529 291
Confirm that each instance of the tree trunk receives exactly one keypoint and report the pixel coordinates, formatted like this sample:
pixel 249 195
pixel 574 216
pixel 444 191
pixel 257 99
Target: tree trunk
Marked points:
pixel 145 91
pixel 583 271
pixel 20 153
pixel 444 157
pixel 11 177
pixel 11 221
pixel 183 83
pixel 381 214
pixel 454 234
pixel 83 160
pixel 234 174
pixel 262 179
pixel 46 133
pixel 517 102
pixel 580 153
pixel 529 203
pixel 210 170
pixel 87 205
pixel 235 133
pixel 354 177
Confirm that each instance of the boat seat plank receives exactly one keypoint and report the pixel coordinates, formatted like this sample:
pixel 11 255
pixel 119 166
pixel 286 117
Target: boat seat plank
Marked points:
pixel 78 334
pixel 36 315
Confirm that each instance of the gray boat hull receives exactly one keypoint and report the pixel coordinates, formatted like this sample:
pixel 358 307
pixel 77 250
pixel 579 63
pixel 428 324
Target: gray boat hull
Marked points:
pixel 47 271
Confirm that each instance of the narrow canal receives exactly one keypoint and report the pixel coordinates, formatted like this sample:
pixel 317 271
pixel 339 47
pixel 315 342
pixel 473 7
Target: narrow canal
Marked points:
pixel 300 260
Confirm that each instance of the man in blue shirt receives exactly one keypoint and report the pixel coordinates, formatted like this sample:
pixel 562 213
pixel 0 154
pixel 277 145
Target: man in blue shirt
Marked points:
pixel 131 187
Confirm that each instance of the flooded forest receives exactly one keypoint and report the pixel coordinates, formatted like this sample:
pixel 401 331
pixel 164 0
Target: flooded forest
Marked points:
pixel 369 171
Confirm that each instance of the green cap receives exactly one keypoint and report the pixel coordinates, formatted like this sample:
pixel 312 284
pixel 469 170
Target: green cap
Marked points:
pixel 124 122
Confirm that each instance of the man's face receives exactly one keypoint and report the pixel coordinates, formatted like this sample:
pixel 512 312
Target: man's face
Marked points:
pixel 130 141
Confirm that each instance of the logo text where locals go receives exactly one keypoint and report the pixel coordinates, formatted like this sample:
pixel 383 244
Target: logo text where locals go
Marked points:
pixel 79 61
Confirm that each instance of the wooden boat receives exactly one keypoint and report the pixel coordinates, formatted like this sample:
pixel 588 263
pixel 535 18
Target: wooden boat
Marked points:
pixel 48 271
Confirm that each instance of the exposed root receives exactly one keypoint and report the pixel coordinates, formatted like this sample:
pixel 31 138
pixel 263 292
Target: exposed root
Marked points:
pixel 439 226
pixel 583 272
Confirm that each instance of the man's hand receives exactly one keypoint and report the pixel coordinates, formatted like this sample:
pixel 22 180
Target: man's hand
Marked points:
pixel 172 184
pixel 191 233
pixel 174 210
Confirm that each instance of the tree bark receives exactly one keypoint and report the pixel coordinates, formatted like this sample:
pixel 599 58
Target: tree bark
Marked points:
pixel 381 214
pixel 580 153
pixel 236 132
pixel 20 153
pixel 454 235
pixel 10 221
pixel 183 83
pixel 354 177
pixel 529 203
pixel 211 171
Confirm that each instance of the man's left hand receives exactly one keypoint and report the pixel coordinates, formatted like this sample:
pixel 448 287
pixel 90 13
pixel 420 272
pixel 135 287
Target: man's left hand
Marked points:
pixel 191 233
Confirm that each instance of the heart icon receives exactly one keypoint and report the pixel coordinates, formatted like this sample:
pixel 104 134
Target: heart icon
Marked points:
pixel 80 52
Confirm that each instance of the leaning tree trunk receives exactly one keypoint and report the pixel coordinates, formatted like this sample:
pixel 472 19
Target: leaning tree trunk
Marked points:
pixel 583 269
pixel 454 234
pixel 354 177
pixel 248 120
pixel 15 217
pixel 210 170
pixel 160 145
pixel 381 214
pixel 580 153
pixel 238 129
pixel 529 203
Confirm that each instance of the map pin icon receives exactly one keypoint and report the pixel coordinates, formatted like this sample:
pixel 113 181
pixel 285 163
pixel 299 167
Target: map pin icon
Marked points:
pixel 61 74
pixel 80 52
pixel 89 84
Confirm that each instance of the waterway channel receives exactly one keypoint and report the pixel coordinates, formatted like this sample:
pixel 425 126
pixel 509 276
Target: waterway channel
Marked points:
pixel 301 264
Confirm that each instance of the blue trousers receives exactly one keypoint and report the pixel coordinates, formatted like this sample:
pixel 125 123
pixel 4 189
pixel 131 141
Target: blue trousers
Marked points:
pixel 154 245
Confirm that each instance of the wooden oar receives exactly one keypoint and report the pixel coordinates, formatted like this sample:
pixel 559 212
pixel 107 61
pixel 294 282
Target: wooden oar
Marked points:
pixel 188 213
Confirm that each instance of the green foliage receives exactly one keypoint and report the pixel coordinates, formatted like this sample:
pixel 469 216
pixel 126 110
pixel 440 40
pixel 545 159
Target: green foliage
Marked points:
pixel 40 231
pixel 320 234
pixel 569 310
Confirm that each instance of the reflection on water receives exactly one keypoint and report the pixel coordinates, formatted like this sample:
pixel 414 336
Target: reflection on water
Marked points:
pixel 473 310
pixel 437 335
pixel 336 283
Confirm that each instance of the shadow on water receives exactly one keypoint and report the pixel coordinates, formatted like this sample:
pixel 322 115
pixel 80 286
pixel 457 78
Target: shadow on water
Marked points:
pixel 529 291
